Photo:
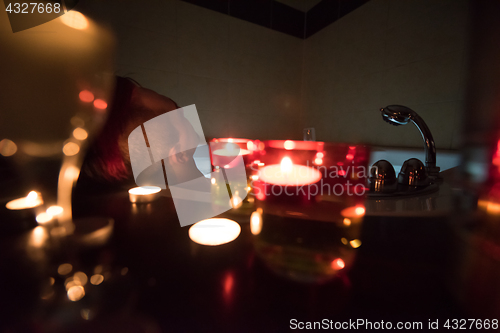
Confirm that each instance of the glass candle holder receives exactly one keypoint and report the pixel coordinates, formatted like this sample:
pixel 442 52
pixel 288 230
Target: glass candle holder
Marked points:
pixel 223 153
pixel 223 150
pixel 309 199
pixel 56 87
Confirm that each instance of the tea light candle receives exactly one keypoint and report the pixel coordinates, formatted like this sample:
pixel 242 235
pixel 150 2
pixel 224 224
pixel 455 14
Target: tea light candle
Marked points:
pixel 287 180
pixel 226 157
pixel 32 200
pixel 215 231
pixel 289 174
pixel 143 194
pixel 231 150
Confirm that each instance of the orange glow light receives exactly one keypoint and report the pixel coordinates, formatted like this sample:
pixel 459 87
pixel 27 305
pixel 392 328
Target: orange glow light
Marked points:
pixel 349 157
pixel 33 199
pixel 86 96
pixel 355 243
pixel 338 264
pixel 71 149
pixel 289 144
pixel 353 212
pixel 255 223
pixel 360 211
pixel 96 279
pixel 80 134
pixel 43 218
pixel 75 20
pixel 228 284
pixel 7 147
pixel 76 293
pixel 100 104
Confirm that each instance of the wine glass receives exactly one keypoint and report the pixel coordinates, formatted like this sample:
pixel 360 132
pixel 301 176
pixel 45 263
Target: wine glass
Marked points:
pixel 55 87
pixel 56 84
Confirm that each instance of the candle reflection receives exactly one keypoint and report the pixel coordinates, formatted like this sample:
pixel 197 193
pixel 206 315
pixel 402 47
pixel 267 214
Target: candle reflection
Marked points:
pixel 228 286
pixel 38 237
pixel 353 212
pixel 355 243
pixel 76 293
pixel 96 279
pixel 304 250
pixel 256 223
pixel 7 148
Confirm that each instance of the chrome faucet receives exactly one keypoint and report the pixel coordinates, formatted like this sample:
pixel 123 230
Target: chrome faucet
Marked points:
pixel 400 115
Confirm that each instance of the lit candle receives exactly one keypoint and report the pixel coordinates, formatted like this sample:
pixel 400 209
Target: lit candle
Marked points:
pixel 289 174
pixel 214 231
pixel 231 150
pixel 32 200
pixel 287 180
pixel 144 194
pixel 225 150
pixel 226 157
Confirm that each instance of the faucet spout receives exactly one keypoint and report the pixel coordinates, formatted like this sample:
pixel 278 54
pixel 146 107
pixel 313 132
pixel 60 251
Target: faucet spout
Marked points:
pixel 401 115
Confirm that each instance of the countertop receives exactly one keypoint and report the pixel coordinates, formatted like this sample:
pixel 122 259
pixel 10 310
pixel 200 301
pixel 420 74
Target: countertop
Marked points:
pixel 157 280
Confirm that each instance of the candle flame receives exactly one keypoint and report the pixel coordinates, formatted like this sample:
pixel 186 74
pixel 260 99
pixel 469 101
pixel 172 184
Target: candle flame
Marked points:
pixel 286 165
pixel 32 196
pixel 360 211
pixel 289 144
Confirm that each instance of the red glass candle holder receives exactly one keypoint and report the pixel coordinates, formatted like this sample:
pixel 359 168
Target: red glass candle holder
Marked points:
pixel 307 227
pixel 320 171
pixel 223 150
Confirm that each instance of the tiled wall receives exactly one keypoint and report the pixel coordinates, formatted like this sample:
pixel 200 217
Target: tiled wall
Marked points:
pixel 245 79
pixel 410 52
pixel 250 81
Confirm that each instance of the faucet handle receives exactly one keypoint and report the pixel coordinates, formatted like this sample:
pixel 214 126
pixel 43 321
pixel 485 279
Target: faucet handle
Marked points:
pixel 413 174
pixel 383 177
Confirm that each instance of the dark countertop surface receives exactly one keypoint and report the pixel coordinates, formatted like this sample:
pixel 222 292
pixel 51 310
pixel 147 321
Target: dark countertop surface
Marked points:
pixel 157 280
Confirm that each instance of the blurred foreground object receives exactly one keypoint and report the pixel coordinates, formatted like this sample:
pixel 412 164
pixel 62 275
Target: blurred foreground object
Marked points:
pixel 478 243
pixel 55 89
